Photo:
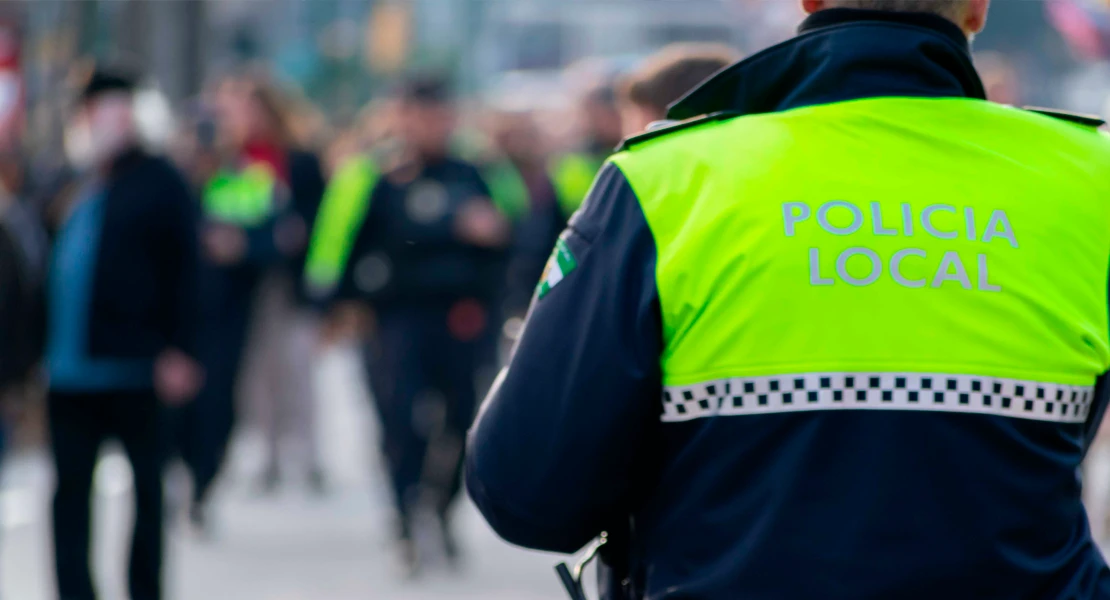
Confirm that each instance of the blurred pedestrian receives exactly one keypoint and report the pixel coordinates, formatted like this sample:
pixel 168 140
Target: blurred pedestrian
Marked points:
pixel 121 322
pixel 522 188
pixel 574 171
pixel 23 256
pixel 237 241
pixel 666 76
pixel 428 261
pixel 257 119
pixel 254 233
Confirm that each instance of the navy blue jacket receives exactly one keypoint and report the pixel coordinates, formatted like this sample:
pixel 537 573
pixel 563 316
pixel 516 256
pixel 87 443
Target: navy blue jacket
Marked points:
pixel 408 253
pixel 831 504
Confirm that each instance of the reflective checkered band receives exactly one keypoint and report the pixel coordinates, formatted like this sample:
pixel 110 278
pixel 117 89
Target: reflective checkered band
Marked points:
pixel 737 396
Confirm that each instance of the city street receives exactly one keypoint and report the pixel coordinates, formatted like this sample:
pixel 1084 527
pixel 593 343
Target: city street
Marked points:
pixel 289 546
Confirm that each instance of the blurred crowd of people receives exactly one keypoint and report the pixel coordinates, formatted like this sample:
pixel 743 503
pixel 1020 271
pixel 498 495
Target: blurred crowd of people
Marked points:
pixel 157 292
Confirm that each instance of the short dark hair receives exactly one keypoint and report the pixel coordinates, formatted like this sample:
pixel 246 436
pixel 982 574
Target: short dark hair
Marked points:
pixel 104 80
pixel 427 88
pixel 672 72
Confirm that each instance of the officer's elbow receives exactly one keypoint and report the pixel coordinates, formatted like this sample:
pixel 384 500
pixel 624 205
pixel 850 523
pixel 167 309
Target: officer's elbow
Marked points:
pixel 515 522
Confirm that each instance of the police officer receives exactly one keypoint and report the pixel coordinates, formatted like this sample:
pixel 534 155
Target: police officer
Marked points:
pixel 428 260
pixel 574 171
pixel 524 191
pixel 846 337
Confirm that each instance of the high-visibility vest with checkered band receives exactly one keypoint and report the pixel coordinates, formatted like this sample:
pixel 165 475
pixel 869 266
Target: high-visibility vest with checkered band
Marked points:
pixel 887 253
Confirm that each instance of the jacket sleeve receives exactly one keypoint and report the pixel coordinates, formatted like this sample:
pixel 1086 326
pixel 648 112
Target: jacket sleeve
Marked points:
pixel 347 286
pixel 560 446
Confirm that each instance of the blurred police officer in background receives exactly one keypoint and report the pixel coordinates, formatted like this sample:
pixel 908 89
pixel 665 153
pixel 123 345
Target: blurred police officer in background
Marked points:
pixel 574 171
pixel 523 190
pixel 121 324
pixel 840 338
pixel 428 260
pixel 644 94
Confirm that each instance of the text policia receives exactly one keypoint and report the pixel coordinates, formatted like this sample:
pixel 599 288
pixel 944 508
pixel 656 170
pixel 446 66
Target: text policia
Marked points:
pixel 839 217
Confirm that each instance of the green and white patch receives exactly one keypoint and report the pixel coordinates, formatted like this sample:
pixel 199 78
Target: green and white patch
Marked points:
pixel 561 263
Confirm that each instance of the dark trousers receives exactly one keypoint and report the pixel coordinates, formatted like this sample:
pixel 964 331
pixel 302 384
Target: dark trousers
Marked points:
pixel 203 427
pixel 411 362
pixel 79 423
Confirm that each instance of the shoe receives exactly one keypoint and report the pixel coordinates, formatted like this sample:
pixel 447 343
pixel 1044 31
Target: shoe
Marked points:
pixel 316 482
pixel 408 559
pixel 270 481
pixel 200 521
pixel 451 550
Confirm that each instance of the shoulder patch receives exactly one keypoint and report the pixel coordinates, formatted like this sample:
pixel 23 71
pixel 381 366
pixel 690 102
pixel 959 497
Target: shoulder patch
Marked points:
pixel 675 126
pixel 1071 117
pixel 559 265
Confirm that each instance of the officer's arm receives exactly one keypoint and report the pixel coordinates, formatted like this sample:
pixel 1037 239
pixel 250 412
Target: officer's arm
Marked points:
pixel 346 286
pixel 557 453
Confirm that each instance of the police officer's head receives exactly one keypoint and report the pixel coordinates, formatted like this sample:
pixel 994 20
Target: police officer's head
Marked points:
pixel 601 117
pixel 969 15
pixel 426 114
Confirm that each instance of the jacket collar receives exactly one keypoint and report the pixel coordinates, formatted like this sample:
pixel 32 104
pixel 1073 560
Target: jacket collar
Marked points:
pixel 843 54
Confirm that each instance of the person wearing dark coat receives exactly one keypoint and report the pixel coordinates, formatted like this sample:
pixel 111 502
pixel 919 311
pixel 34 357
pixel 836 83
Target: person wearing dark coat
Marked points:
pixel 122 312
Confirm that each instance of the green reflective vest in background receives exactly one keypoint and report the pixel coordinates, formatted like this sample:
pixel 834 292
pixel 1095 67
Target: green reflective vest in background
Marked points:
pixel 882 236
pixel 573 174
pixel 508 190
pixel 342 210
pixel 244 198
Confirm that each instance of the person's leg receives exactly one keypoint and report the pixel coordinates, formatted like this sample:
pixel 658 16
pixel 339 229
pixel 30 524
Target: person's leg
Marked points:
pixel 301 351
pixel 138 423
pixel 456 366
pixel 263 375
pixel 76 431
pixel 397 375
pixel 214 409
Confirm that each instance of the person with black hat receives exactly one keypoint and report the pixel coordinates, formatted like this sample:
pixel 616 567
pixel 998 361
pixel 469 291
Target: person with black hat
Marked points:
pixel 121 316
pixel 429 261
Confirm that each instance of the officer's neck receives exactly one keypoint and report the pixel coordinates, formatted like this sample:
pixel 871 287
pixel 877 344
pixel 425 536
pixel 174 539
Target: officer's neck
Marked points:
pixel 832 17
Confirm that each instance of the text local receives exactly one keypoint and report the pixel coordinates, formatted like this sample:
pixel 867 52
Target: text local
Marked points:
pixel 951 268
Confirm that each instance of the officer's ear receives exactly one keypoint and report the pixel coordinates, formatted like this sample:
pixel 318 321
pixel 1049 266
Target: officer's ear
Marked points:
pixel 976 18
pixel 812 6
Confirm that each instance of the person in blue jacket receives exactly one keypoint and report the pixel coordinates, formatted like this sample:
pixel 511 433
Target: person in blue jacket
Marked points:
pixel 122 318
